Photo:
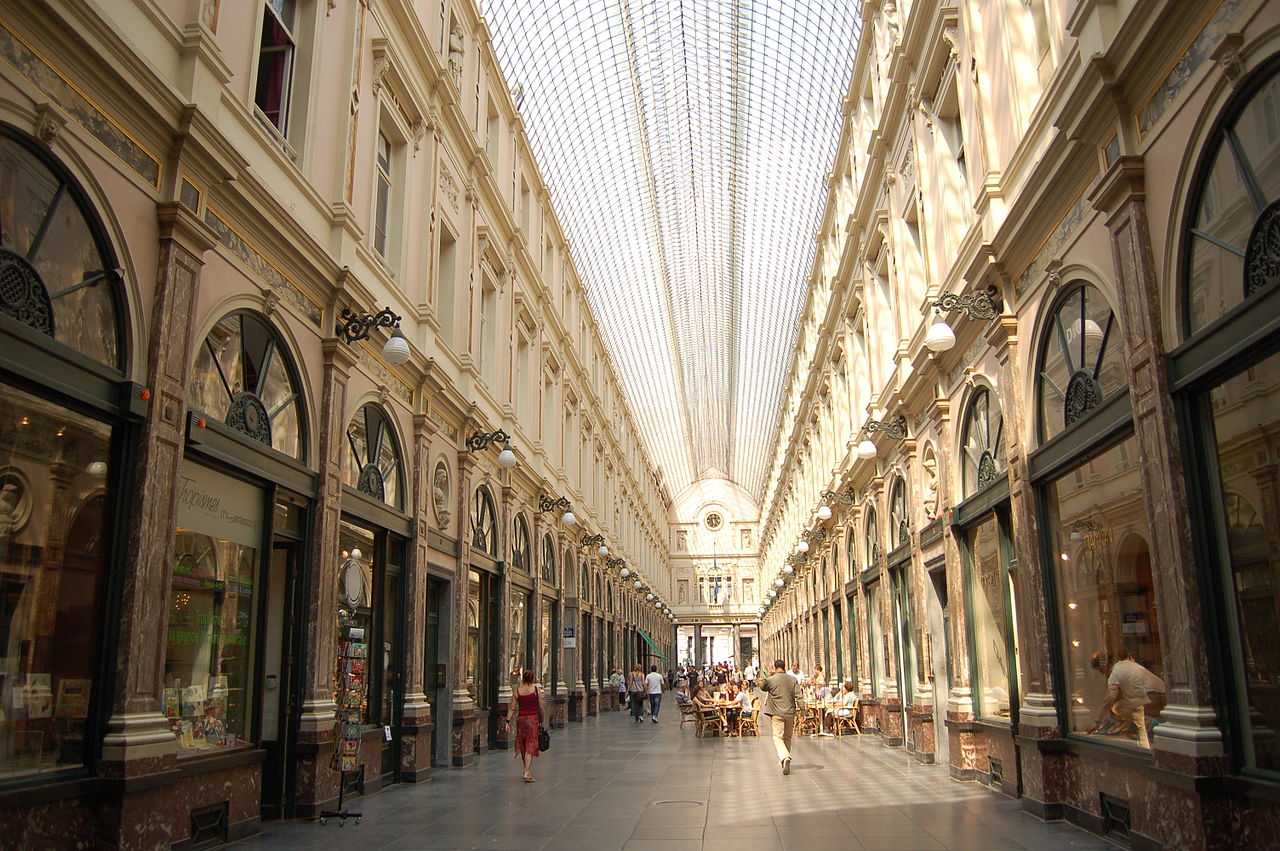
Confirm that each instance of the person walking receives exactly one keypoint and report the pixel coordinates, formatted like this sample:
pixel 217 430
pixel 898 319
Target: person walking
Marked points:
pixel 528 713
pixel 655 683
pixel 780 705
pixel 636 688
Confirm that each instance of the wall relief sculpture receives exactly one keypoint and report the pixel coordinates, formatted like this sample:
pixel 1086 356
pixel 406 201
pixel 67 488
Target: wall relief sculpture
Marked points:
pixel 440 492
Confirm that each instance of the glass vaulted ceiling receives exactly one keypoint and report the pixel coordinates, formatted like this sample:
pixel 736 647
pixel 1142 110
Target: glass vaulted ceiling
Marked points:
pixel 686 145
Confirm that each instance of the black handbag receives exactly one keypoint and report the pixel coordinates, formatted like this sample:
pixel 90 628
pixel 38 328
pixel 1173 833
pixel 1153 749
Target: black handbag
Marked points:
pixel 544 739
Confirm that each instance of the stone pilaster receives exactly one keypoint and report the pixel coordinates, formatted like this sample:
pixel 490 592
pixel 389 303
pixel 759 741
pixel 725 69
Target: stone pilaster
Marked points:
pixel 1188 739
pixel 138 739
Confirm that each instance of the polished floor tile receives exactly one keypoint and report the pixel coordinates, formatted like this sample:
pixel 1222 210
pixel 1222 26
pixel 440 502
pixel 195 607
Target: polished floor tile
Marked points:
pixel 611 785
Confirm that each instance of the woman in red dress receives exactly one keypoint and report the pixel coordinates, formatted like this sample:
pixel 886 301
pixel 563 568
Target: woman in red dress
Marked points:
pixel 527 713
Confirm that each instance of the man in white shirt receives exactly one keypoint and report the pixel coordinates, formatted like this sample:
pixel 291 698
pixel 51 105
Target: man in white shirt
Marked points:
pixel 1132 691
pixel 655 683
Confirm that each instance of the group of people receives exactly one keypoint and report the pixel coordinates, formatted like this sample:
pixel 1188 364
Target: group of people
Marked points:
pixel 637 688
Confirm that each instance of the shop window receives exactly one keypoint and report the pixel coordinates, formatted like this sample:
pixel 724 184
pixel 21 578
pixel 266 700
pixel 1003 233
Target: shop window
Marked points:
pixel 209 670
pixel 1111 656
pixel 549 561
pixel 477 618
pixel 244 377
pixel 1080 361
pixel 1245 410
pixel 546 639
pixel 584 584
pixel 1232 248
pixel 484 523
pixel 875 640
pixel 53 552
pixel 992 621
pixel 519 629
pixel 982 442
pixel 520 548
pixel 373 464
pixel 60 276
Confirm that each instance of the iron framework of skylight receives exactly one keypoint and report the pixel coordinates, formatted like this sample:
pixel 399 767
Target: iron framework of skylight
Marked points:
pixel 686 143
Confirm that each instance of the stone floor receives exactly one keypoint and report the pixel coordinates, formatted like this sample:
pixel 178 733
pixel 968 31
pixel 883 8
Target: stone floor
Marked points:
pixel 608 783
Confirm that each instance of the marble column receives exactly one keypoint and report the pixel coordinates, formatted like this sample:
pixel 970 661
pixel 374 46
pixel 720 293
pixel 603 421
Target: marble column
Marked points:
pixel 1188 739
pixel 418 724
pixel 698 658
pixel 316 783
pixel 138 740
pixel 464 720
pixel 508 674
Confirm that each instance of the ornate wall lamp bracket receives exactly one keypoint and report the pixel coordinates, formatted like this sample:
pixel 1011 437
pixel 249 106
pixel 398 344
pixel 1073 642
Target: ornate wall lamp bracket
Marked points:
pixel 593 540
pixel 814 536
pixel 844 497
pixel 546 503
pixel 893 429
pixel 979 305
pixel 479 440
pixel 354 326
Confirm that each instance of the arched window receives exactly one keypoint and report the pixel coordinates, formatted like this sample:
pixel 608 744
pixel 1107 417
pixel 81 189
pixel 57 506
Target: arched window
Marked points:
pixel 851 552
pixel 899 519
pixel 871 533
pixel 244 377
pixel 982 442
pixel 549 560
pixel 1233 244
pixel 484 522
pixel 373 464
pixel 1080 362
pixel 584 584
pixel 520 544
pixel 57 269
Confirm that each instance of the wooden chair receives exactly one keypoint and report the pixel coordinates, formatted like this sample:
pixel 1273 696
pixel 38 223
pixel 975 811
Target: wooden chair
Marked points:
pixel 750 725
pixel 709 721
pixel 842 723
pixel 808 719
pixel 687 715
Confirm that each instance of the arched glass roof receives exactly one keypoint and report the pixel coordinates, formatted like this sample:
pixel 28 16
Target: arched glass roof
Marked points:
pixel 686 144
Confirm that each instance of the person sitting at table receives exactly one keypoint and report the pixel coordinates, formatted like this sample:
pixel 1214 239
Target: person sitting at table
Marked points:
pixel 682 693
pixel 848 706
pixel 703 701
pixel 744 701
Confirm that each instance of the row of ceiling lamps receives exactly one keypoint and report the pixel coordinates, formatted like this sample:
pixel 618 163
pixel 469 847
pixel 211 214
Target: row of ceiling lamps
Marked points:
pixel 984 305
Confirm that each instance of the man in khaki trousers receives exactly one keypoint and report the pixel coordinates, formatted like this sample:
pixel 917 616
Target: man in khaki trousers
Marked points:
pixel 780 705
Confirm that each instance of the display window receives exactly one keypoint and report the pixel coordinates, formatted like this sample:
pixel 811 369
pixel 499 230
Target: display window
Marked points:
pixel 1110 651
pixel 53 555
pixel 546 640
pixel 210 653
pixel 875 640
pixel 521 549
pixel 519 629
pixel 992 591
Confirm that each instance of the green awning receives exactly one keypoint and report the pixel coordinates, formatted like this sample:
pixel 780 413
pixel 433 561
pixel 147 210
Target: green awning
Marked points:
pixel 649 641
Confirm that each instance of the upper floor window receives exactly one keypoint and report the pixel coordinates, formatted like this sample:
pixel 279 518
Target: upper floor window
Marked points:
pixel 244 376
pixel 373 464
pixel 275 63
pixel 1080 363
pixel 382 200
pixel 58 271
pixel 982 441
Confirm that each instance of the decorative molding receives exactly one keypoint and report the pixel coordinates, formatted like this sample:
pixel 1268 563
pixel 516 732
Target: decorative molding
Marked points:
pixel 262 268
pixel 48 124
